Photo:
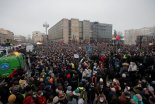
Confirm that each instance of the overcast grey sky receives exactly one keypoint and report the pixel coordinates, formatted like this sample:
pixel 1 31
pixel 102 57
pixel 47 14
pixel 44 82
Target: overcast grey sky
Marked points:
pixel 25 16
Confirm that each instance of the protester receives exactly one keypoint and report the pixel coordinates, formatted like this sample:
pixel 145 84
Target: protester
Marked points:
pixel 66 74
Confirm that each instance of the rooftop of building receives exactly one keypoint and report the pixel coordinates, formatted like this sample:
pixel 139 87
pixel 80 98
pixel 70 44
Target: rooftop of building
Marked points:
pixel 4 31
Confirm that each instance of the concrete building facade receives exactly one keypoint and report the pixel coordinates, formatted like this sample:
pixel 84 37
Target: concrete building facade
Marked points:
pixel 101 31
pixel 75 30
pixel 132 34
pixel 20 38
pixel 87 30
pixel 59 31
pixel 145 39
pixel 37 36
pixel 6 36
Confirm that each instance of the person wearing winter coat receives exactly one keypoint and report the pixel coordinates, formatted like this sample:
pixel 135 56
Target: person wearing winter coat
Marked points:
pixel 101 99
pixel 40 99
pixel 124 98
pixel 132 67
pixel 138 99
pixel 50 99
pixel 132 71
pixel 69 94
pixel 29 96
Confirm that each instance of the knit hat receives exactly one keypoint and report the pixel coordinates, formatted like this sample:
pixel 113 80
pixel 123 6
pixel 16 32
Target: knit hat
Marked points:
pixel 124 75
pixel 77 90
pixel 115 80
pixel 72 65
pixel 55 99
pixel 41 79
pixel 51 80
pixel 12 98
pixel 69 88
pixel 68 76
pixel 101 80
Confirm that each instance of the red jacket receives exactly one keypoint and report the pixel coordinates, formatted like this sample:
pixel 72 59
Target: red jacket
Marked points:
pixel 41 99
pixel 102 58
pixel 28 100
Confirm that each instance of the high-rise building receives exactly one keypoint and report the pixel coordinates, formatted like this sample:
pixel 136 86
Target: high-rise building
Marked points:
pixel 132 34
pixel 75 30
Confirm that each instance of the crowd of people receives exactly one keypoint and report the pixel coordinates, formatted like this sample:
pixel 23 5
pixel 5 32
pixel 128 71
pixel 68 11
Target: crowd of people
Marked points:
pixel 73 74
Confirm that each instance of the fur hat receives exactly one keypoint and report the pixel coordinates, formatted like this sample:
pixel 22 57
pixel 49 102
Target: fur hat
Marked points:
pixel 23 83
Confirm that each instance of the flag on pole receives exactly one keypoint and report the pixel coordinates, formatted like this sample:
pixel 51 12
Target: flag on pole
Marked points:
pixel 118 37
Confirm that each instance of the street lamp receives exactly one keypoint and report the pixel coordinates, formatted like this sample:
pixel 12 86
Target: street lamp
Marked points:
pixel 46 25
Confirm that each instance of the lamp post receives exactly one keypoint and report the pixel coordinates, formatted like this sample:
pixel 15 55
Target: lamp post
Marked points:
pixel 46 25
pixel 141 37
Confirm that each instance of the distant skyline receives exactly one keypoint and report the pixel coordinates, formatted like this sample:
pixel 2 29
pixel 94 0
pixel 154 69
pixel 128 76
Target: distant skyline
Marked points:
pixel 25 16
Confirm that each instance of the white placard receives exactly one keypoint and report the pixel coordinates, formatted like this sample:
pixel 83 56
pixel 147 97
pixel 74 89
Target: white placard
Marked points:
pixel 76 56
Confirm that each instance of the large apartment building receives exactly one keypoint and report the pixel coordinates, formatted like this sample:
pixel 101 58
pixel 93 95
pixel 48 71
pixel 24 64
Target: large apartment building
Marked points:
pixel 74 30
pixel 20 38
pixel 37 36
pixel 132 34
pixel 6 36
